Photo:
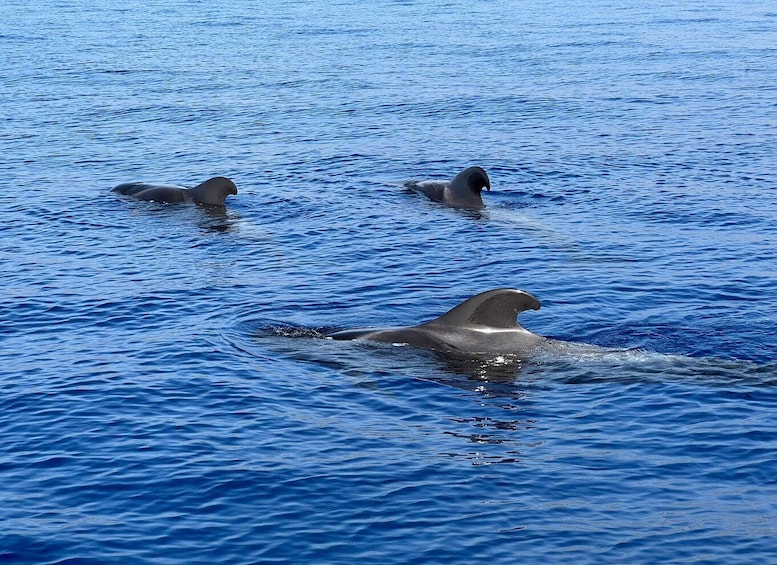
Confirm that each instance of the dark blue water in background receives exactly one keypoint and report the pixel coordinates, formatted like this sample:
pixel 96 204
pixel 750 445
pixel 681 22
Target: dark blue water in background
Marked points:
pixel 164 396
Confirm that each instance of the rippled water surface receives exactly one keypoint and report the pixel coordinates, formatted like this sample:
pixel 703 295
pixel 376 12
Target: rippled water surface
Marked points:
pixel 165 392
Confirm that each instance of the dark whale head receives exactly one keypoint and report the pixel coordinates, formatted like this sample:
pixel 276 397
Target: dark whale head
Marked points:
pixel 213 192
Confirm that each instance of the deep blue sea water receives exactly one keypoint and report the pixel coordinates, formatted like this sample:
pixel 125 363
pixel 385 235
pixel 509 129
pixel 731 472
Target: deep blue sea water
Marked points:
pixel 165 394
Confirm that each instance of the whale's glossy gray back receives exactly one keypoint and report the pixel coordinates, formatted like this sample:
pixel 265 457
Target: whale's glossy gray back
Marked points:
pixel 212 192
pixel 484 324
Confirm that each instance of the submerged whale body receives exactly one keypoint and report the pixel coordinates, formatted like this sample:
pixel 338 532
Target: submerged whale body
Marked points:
pixel 463 191
pixel 485 324
pixel 212 192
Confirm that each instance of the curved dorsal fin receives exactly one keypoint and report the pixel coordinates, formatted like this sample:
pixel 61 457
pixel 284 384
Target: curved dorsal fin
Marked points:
pixel 213 191
pixel 464 189
pixel 472 179
pixel 495 309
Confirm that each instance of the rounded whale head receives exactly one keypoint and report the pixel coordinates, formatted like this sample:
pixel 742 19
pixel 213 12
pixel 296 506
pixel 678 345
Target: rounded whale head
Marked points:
pixel 214 191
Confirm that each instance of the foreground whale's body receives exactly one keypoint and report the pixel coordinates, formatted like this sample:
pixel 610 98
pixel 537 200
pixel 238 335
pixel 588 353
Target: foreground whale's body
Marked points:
pixel 463 191
pixel 212 192
pixel 485 324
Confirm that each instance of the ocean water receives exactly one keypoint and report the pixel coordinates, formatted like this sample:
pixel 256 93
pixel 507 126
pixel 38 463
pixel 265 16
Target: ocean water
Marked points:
pixel 165 392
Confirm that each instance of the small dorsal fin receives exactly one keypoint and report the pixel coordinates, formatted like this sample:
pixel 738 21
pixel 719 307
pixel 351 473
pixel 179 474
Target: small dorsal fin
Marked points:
pixel 495 309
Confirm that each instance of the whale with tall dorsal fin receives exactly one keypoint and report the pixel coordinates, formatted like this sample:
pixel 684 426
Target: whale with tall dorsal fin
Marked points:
pixel 462 191
pixel 485 324
pixel 212 192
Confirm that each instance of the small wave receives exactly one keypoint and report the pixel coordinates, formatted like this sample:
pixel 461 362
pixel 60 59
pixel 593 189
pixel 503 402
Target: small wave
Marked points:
pixel 286 330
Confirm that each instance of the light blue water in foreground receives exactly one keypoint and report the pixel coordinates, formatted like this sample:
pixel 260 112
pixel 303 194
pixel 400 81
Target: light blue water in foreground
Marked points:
pixel 164 394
